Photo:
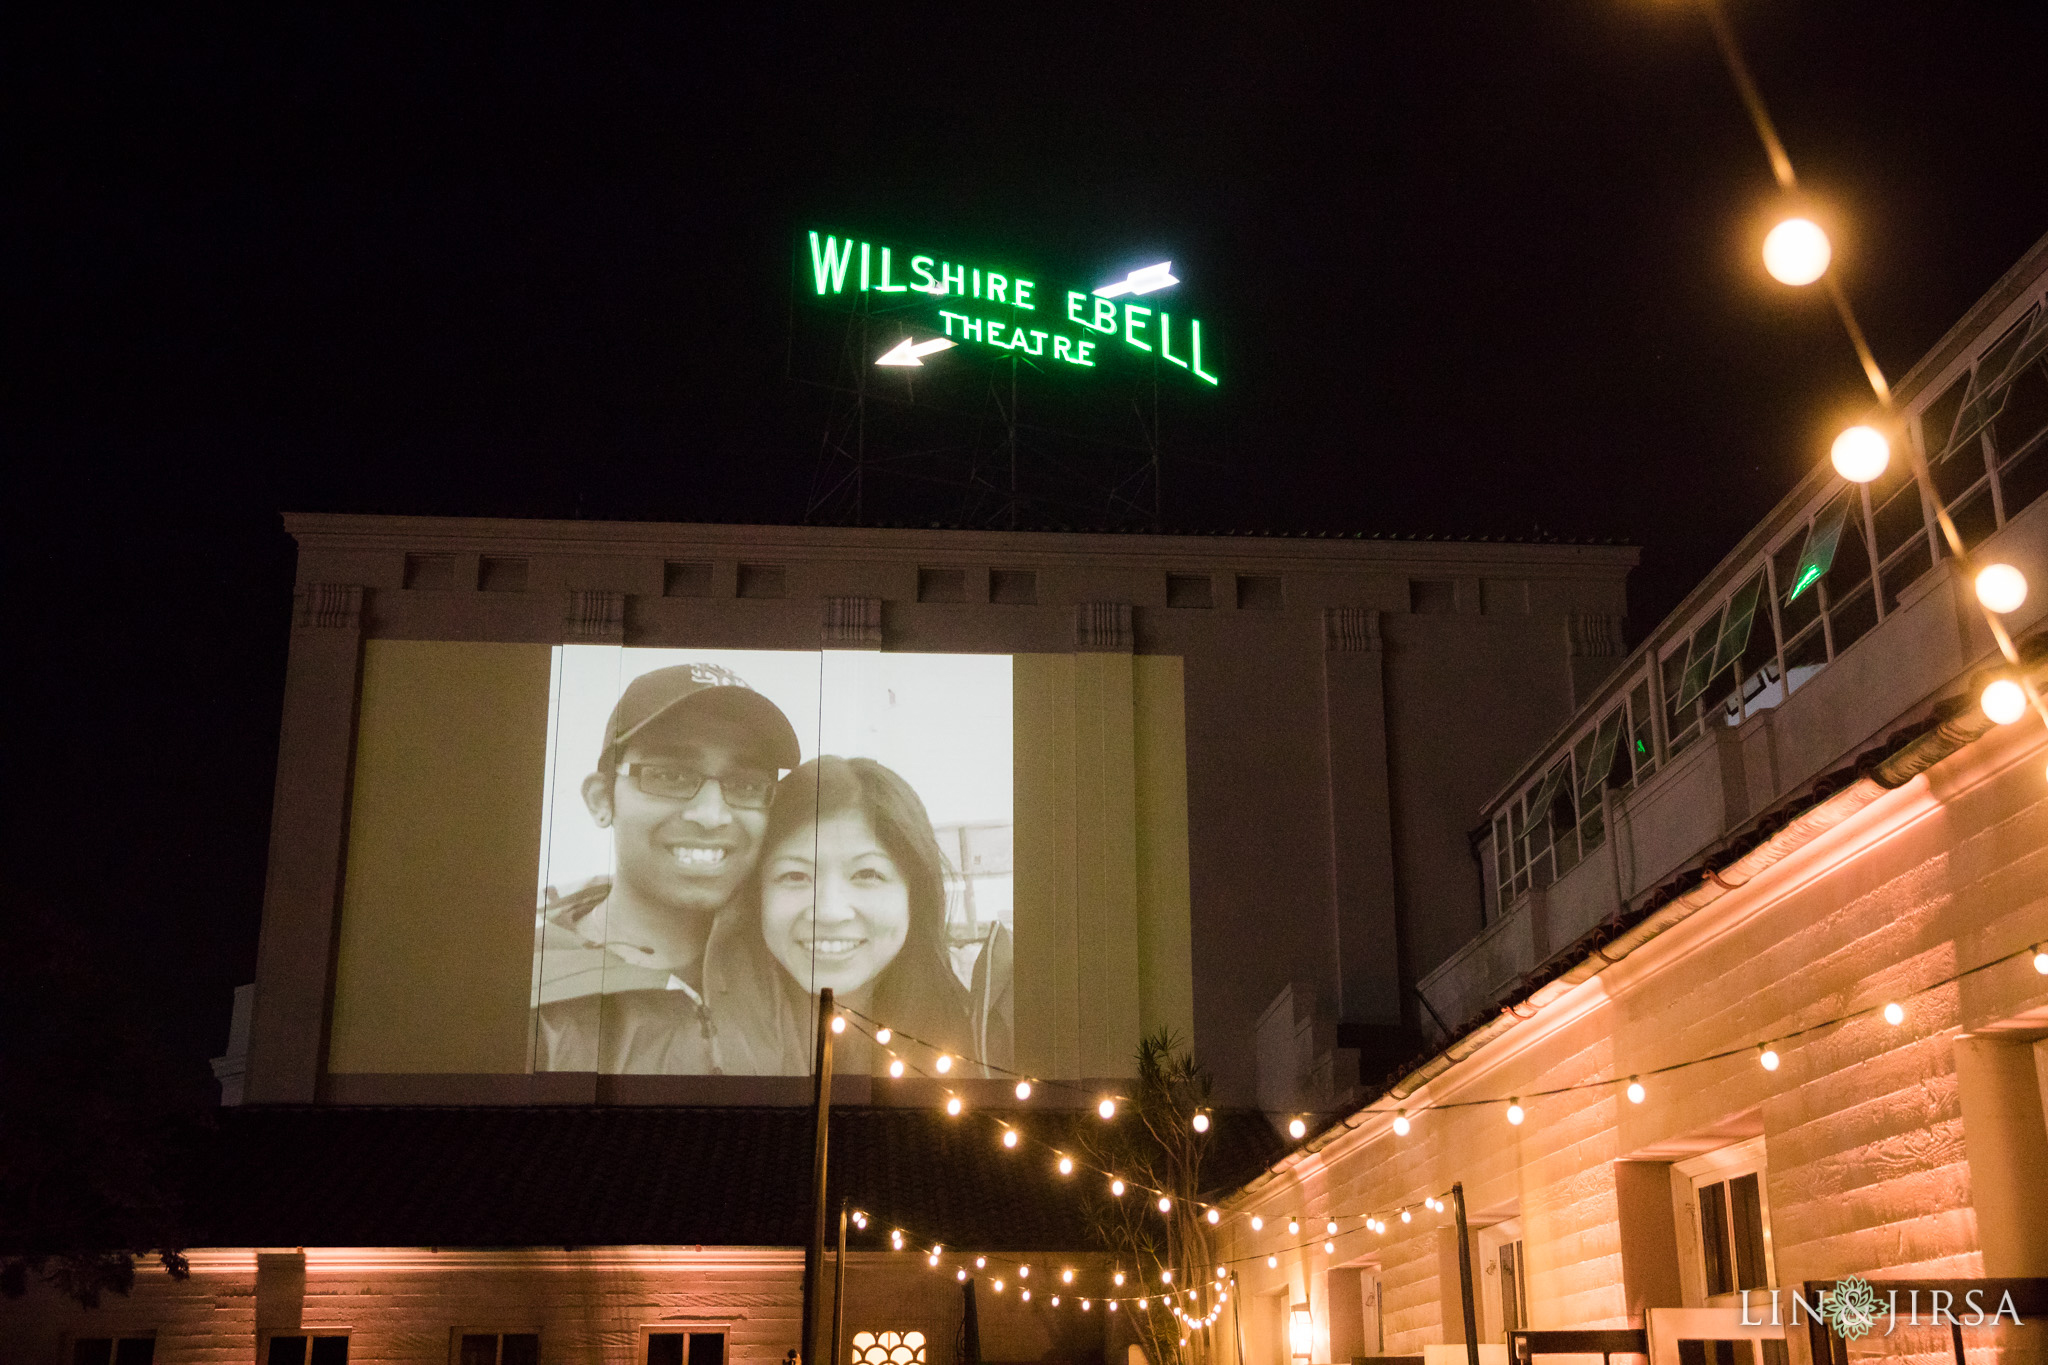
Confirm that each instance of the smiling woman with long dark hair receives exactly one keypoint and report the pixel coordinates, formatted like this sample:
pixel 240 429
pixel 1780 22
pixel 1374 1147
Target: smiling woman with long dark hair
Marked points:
pixel 850 894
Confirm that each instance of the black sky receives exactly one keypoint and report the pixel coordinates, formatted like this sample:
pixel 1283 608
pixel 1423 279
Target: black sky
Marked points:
pixel 1486 268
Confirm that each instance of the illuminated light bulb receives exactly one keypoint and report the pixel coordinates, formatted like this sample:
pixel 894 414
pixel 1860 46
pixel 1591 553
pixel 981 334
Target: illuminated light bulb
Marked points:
pixel 1767 1057
pixel 1636 1093
pixel 1272 1263
pixel 860 1220
pixel 1107 1108
pixel 1200 1123
pixel 1026 1296
pixel 884 1034
pixel 953 1106
pixel 943 1064
pixel 1895 1014
pixel 998 1286
pixel 1331 1227
pixel 1166 1277
pixel 1329 1247
pixel 2001 588
pixel 1144 1303
pixel 932 1261
pixel 1861 454
pixel 1066 1277
pixel 960 1274
pixel 1066 1165
pixel 2003 701
pixel 1112 1305
pixel 1257 1222
pixel 1293 1226
pixel 896 1068
pixel 1296 1129
pixel 1407 1216
pixel 896 1240
pixel 1515 1114
pixel 839 1023
pixel 1116 1187
pixel 1023 1090
pixel 1221 1272
pixel 1009 1137
pixel 1214 1216
pixel 1055 1300
pixel 2040 960
pixel 1117 1279
pixel 1165 1204
pixel 981 1263
pixel 1085 1305
pixel 1401 1124
pixel 1796 251
pixel 1023 1272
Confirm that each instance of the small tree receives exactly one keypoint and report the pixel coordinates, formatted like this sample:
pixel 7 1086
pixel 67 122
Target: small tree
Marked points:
pixel 1160 1151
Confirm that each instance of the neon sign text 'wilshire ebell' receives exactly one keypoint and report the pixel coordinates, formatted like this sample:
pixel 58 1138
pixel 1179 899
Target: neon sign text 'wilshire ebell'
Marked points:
pixel 1001 310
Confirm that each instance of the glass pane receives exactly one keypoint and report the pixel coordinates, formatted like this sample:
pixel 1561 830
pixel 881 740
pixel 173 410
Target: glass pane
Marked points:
pixel 1974 516
pixel 1989 391
pixel 2025 417
pixel 707 1348
pixel 92 1351
pixel 1848 575
pixel 665 1348
pixel 1642 749
pixel 329 1351
pixel 135 1351
pixel 1852 620
pixel 1746 1210
pixel 1817 556
pixel 1714 1249
pixel 1598 765
pixel 2024 478
pixel 1699 661
pixel 1681 720
pixel 1904 571
pixel 1938 419
pixel 1737 624
pixel 1899 519
pixel 1805 657
pixel 479 1349
pixel 287 1351
pixel 1793 612
pixel 521 1348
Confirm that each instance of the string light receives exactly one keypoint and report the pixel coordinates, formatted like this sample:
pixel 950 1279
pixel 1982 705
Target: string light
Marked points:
pixel 1296 1129
pixel 1116 1187
pixel 1796 252
pixel 884 1034
pixel 1107 1108
pixel 1272 1263
pixel 1214 1216
pixel 1200 1122
pixel 960 1274
pixel 1023 1272
pixel 1331 1227
pixel 1026 1296
pixel 1293 1227
pixel 896 1069
pixel 2001 588
pixel 1636 1093
pixel 1401 1124
pixel 1329 1247
pixel 1055 1300
pixel 1165 1204
pixel 1066 1166
pixel 1860 454
pixel 839 1023
pixel 2040 960
pixel 2003 701
pixel 1257 1222
pixel 1023 1090
pixel 1085 1305
pixel 1221 1272
pixel 942 1064
pixel 896 1240
pixel 1067 1276
pixel 1112 1305
pixel 981 1263
pixel 998 1286
pixel 1515 1114
pixel 1894 1014
pixel 1406 1216
pixel 1009 1137
pixel 953 1105
pixel 1767 1057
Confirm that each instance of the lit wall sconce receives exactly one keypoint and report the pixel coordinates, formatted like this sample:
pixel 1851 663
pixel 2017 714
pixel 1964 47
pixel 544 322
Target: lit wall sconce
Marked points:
pixel 1301 1331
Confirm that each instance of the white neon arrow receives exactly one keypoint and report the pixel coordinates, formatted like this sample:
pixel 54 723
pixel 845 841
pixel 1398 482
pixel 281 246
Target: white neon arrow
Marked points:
pixel 1141 281
pixel 908 352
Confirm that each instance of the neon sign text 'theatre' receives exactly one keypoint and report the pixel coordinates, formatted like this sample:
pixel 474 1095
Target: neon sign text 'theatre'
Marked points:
pixel 1001 310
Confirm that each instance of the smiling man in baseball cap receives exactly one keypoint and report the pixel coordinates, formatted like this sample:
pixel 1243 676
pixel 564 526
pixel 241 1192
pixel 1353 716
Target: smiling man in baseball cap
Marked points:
pixel 684 778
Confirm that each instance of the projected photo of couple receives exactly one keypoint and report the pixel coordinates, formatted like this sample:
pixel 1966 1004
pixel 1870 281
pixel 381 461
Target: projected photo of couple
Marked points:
pixel 730 831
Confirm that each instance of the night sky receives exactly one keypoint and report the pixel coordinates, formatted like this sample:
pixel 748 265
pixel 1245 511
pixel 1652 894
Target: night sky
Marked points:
pixel 1484 268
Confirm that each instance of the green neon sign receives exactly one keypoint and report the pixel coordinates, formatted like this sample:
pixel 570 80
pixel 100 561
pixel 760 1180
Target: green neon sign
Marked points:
pixel 967 303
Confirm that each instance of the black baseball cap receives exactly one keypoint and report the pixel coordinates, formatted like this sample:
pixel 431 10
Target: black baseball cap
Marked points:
pixel 668 697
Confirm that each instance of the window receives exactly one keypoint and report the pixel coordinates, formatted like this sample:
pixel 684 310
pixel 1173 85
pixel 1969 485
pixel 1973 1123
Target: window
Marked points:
pixel 942 585
pixel 128 1350
pixel 686 1348
pixel 497 1348
pixel 310 1348
pixel 435 572
pixel 1258 592
pixel 888 1348
pixel 761 580
pixel 1724 1224
pixel 1189 590
pixel 1015 587
pixel 498 574
pixel 681 579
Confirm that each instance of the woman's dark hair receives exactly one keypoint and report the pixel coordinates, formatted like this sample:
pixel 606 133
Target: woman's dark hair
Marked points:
pixel 921 979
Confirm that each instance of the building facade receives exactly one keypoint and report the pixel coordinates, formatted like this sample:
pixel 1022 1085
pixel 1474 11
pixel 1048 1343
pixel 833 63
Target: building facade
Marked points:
pixel 1760 1003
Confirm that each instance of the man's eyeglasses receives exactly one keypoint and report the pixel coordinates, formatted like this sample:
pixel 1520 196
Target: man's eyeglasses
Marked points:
pixel 747 789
